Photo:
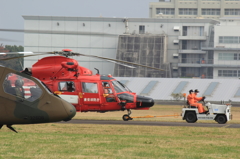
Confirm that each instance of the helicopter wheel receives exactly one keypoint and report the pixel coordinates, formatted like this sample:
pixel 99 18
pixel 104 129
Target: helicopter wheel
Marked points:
pixel 126 117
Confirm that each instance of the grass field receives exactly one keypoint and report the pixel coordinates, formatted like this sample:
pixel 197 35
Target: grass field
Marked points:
pixel 157 110
pixel 74 141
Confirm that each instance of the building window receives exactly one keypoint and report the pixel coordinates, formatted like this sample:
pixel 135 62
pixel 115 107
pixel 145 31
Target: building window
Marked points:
pixel 210 11
pixel 229 39
pixel 187 11
pixel 141 29
pixel 228 73
pixel 232 11
pixel 228 56
pixel 219 73
pixel 235 56
pixel 165 11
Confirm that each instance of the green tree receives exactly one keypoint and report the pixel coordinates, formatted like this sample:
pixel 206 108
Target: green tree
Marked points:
pixel 177 96
pixel 16 64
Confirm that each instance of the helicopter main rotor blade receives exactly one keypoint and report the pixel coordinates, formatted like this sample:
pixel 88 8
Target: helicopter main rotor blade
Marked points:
pixel 14 53
pixel 121 64
pixel 67 53
pixel 121 61
pixel 10 40
pixel 57 32
pixel 10 58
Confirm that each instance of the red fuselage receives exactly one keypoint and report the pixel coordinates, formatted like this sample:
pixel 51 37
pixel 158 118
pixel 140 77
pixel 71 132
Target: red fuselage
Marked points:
pixel 85 91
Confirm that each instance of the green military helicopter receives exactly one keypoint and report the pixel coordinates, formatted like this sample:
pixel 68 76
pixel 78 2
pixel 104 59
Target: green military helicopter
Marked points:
pixel 26 100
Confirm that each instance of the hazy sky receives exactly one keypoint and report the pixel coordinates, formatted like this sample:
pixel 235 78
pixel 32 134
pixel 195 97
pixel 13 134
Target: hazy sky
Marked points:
pixel 12 10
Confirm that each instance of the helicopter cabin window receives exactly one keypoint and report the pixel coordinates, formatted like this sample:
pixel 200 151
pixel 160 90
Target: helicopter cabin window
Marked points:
pixel 106 88
pixel 108 93
pixel 67 86
pixel 21 87
pixel 88 87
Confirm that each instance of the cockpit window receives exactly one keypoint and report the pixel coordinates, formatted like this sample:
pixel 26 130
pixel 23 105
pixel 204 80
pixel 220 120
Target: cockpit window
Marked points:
pixel 119 87
pixel 21 87
pixel 124 86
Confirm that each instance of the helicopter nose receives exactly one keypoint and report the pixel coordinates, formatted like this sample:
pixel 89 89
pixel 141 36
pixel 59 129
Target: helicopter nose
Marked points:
pixel 71 111
pixel 144 102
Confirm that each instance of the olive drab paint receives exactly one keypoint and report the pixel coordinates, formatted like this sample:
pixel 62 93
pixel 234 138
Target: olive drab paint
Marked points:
pixel 15 109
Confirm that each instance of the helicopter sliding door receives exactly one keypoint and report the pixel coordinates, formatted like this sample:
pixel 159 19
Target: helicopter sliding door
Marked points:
pixel 90 96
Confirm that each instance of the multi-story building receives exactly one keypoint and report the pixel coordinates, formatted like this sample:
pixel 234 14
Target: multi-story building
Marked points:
pixel 192 60
pixel 178 50
pixel 226 48
pixel 208 9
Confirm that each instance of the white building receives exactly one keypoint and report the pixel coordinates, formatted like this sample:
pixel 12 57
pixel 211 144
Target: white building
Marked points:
pixel 207 9
pixel 226 48
pixel 95 36
pixel 99 36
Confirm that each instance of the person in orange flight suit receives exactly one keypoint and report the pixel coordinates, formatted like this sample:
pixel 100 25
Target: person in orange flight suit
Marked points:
pixel 197 99
pixel 193 99
pixel 108 93
pixel 189 97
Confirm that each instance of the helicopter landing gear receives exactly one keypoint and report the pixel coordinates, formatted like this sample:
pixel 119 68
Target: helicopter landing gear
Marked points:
pixel 122 104
pixel 127 117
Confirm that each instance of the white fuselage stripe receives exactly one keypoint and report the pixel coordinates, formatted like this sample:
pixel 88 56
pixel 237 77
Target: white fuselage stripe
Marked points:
pixel 70 98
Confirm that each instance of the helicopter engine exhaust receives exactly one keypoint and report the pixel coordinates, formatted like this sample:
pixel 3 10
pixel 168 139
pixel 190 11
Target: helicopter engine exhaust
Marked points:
pixel 97 71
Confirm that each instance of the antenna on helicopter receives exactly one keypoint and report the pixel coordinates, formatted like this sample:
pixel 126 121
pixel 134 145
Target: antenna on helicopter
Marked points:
pixel 97 71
